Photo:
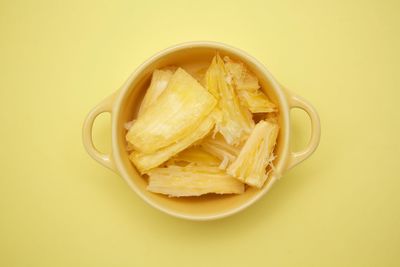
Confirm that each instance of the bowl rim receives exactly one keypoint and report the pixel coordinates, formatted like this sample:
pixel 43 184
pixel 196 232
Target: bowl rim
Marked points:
pixel 281 97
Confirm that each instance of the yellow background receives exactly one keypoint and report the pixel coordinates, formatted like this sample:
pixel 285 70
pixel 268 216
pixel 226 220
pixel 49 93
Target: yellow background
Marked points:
pixel 58 207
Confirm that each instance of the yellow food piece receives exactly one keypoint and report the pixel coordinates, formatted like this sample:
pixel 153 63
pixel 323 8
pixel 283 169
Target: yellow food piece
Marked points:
pixel 248 88
pixel 256 102
pixel 177 181
pixel 241 77
pixel 218 147
pixel 194 155
pixel 235 123
pixel 147 161
pixel 174 115
pixel 256 154
pixel 159 82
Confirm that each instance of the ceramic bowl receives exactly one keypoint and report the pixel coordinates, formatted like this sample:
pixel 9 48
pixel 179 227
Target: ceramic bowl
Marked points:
pixel 123 105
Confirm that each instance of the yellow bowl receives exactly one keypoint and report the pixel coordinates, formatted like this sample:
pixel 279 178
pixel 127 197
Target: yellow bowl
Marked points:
pixel 124 103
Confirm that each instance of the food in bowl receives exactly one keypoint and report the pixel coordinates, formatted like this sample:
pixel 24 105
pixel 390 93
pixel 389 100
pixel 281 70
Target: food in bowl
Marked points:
pixel 201 133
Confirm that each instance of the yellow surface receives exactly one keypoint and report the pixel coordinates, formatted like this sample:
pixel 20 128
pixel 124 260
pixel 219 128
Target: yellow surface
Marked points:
pixel 58 207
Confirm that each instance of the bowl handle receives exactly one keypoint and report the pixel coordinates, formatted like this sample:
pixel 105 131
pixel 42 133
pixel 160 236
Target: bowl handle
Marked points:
pixel 104 106
pixel 295 158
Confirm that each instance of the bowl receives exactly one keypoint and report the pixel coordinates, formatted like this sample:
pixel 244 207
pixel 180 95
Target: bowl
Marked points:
pixel 123 106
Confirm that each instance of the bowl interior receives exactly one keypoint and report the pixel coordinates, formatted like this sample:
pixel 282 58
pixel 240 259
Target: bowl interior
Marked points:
pixel 191 59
